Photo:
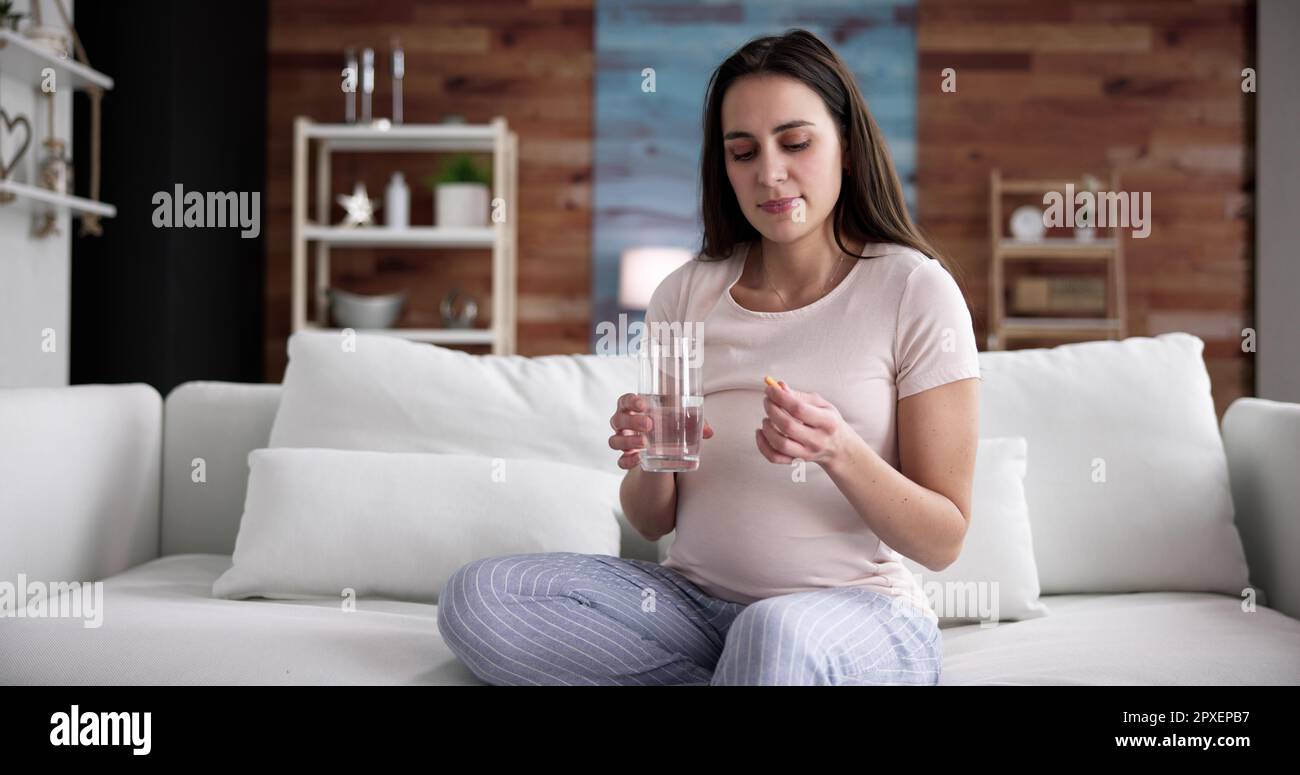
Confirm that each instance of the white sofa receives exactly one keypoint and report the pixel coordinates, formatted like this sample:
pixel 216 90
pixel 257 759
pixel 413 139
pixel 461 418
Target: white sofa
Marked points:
pixel 95 484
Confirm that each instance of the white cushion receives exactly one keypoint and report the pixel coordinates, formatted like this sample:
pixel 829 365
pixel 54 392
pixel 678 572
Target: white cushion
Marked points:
pixel 395 395
pixel 79 470
pixel 396 525
pixel 1128 481
pixel 995 578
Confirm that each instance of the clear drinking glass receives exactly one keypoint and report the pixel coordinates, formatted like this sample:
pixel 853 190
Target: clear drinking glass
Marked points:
pixel 671 365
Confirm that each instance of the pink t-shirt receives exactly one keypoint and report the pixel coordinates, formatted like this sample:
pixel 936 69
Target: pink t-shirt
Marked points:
pixel 748 528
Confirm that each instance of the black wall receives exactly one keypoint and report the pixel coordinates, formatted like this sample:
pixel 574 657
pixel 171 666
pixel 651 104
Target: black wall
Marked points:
pixel 158 305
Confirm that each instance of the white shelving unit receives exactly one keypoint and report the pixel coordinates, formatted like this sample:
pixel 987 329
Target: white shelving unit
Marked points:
pixel 25 61
pixel 1004 329
pixel 38 198
pixel 22 59
pixel 494 137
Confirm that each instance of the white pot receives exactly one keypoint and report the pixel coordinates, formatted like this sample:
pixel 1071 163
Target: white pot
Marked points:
pixel 460 204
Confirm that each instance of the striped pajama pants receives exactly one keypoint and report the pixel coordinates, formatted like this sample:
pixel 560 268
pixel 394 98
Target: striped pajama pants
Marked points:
pixel 568 618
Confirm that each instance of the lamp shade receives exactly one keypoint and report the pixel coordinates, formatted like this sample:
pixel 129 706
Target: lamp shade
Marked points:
pixel 641 269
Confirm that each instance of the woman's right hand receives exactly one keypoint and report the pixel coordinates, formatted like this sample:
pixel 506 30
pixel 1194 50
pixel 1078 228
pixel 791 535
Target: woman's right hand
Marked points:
pixel 630 422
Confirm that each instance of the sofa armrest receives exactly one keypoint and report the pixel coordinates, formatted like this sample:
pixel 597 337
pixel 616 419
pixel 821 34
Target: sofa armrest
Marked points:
pixel 79 480
pixel 1262 441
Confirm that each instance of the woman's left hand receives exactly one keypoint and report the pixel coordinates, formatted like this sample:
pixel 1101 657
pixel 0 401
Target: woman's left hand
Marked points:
pixel 800 425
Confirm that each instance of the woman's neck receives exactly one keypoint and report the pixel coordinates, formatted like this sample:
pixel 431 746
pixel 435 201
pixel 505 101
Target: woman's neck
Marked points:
pixel 806 265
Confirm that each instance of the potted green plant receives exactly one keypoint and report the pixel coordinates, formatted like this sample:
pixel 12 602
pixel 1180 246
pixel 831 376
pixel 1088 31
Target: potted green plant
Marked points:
pixel 461 192
pixel 7 16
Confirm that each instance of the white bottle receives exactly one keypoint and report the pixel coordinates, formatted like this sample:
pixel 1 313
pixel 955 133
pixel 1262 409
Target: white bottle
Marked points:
pixel 397 203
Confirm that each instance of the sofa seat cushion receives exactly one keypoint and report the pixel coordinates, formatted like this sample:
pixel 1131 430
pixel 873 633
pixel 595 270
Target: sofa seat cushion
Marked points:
pixel 162 626
pixel 1174 638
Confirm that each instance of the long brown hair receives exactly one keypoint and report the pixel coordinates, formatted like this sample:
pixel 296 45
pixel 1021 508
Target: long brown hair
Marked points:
pixel 871 207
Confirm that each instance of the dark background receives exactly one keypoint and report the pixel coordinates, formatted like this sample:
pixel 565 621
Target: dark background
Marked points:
pixel 160 305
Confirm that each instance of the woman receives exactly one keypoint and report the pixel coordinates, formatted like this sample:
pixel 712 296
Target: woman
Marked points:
pixel 786 566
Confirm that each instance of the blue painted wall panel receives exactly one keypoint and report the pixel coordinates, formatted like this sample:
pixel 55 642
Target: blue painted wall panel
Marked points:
pixel 648 144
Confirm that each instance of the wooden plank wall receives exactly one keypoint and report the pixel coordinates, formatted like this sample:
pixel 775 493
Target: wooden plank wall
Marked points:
pixel 1059 88
pixel 527 60
pixel 1149 86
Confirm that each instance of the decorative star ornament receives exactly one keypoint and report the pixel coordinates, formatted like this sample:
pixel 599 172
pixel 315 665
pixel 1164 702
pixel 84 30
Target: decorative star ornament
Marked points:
pixel 360 208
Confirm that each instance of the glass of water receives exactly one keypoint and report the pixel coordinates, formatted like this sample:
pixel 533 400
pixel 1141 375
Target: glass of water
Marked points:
pixel 671 364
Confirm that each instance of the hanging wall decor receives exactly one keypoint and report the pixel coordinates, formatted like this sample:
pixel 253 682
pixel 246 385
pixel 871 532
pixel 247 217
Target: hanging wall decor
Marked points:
pixel 9 130
pixel 8 17
pixel 57 176
pixel 90 224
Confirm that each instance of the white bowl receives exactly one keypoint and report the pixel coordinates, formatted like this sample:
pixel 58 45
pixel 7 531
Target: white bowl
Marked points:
pixel 353 310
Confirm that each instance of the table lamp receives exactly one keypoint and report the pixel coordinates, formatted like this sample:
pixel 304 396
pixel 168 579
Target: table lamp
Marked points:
pixel 641 269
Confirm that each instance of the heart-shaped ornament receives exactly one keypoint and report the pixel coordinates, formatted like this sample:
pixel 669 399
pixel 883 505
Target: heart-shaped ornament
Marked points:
pixel 7 129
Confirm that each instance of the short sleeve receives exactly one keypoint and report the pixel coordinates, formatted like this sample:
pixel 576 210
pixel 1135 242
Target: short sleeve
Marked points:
pixel 665 301
pixel 934 343
pixel 657 311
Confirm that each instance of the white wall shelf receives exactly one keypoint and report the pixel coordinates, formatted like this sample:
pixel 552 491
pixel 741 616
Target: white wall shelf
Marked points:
pixel 1057 247
pixel 1064 328
pixel 43 199
pixel 406 137
pixel 502 238
pixel 417 236
pixel 24 60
